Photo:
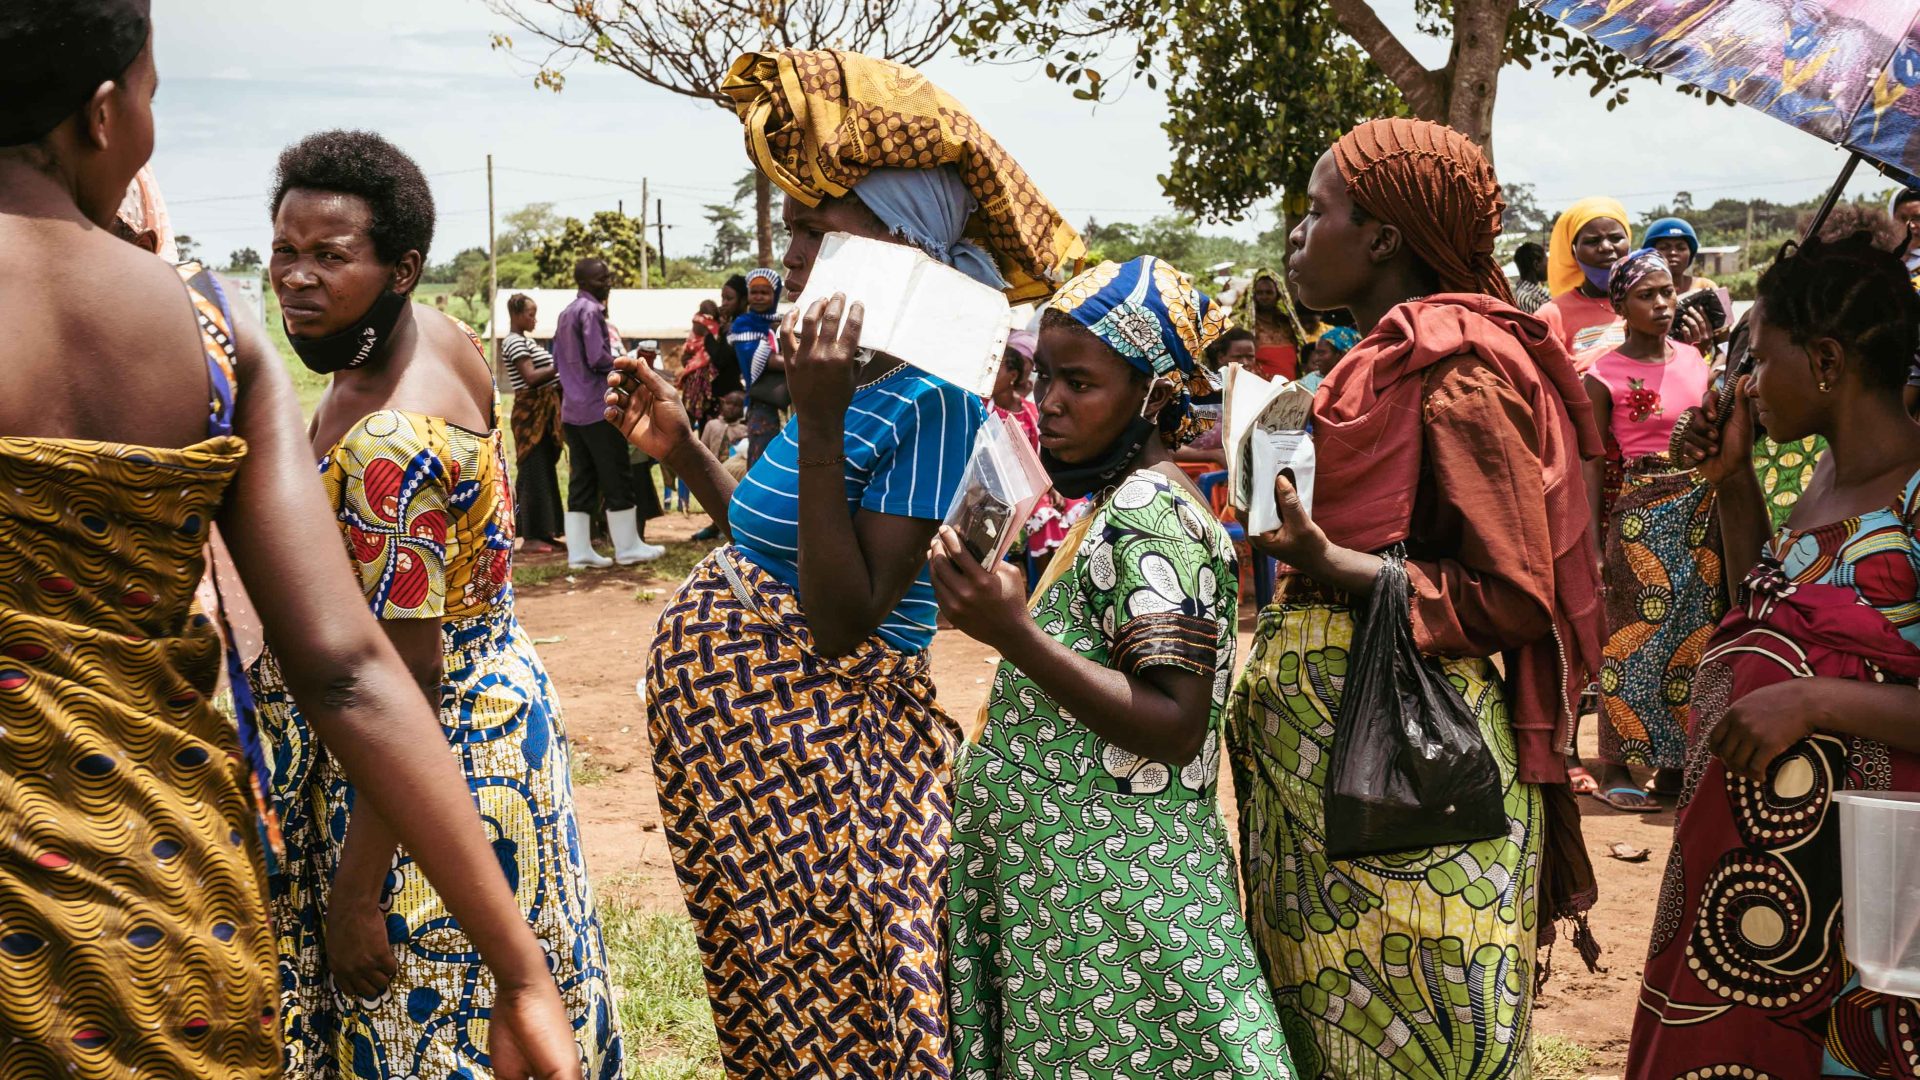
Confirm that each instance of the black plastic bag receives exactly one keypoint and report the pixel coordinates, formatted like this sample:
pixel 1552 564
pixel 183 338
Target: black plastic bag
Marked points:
pixel 1409 769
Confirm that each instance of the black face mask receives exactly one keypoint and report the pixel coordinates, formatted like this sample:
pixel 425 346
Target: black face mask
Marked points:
pixel 357 344
pixel 1105 469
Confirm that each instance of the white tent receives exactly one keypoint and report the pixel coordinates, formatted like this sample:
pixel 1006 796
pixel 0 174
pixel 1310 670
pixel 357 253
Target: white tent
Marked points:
pixel 663 314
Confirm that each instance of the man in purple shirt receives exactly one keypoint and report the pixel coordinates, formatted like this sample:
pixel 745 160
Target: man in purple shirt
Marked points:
pixel 596 451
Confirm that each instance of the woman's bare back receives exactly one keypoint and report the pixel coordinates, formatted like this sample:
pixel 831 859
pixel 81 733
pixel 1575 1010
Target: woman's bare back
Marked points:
pixel 102 337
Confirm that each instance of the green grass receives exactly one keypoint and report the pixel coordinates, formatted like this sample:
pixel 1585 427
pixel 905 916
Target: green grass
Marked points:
pixel 662 997
pixel 1556 1057
pixel 668 1026
pixel 588 772
pixel 526 574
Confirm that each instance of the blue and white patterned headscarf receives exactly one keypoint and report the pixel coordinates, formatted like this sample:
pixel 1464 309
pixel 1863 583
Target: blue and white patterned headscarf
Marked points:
pixel 1341 337
pixel 1154 317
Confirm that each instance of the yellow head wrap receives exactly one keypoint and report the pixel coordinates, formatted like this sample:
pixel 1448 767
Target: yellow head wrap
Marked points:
pixel 1563 271
pixel 818 121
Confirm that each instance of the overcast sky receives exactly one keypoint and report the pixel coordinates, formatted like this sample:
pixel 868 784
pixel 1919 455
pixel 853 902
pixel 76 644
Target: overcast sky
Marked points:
pixel 242 78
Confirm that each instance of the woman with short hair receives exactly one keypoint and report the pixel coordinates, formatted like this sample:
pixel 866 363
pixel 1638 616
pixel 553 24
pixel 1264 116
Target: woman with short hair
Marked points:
pixel 375 976
pixel 538 437
pixel 1806 690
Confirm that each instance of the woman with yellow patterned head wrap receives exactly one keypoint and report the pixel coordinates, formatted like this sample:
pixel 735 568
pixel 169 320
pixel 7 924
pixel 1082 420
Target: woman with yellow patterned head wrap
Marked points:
pixel 818 122
pixel 1588 238
pixel 1092 883
pixel 805 770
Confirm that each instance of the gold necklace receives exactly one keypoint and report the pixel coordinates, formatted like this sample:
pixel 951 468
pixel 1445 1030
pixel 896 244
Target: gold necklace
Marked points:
pixel 866 361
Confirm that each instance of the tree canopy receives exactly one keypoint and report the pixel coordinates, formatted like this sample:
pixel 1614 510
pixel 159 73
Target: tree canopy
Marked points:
pixel 686 48
pixel 1258 91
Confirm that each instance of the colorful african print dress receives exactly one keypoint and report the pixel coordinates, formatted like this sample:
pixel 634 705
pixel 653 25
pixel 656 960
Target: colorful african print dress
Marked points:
pixel 428 523
pixel 1414 964
pixel 1660 560
pixel 1096 919
pixel 134 939
pixel 1746 973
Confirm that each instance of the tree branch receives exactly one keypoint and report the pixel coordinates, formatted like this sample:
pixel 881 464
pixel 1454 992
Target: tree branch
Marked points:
pixel 1423 89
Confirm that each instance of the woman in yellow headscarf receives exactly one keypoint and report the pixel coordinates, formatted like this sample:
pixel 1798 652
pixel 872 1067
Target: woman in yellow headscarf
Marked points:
pixel 1588 239
pixel 1266 311
pixel 805 768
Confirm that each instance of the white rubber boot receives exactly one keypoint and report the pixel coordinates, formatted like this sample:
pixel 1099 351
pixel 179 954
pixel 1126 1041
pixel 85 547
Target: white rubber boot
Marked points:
pixel 623 526
pixel 580 542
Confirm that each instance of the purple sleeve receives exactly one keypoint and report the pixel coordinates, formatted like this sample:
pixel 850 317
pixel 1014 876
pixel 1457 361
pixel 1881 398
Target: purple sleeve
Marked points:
pixel 596 350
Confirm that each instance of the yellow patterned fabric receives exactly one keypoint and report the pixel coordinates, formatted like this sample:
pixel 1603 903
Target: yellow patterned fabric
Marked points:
pixel 1418 964
pixel 133 934
pixel 417 499
pixel 819 120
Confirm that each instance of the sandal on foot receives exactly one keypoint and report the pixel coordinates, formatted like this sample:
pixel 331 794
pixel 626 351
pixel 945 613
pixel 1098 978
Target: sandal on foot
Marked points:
pixel 1644 803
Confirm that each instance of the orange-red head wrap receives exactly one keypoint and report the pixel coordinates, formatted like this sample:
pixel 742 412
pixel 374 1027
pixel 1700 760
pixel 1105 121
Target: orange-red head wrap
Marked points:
pixel 1436 187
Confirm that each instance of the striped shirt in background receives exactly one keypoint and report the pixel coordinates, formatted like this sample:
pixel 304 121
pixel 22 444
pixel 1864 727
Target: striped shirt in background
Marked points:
pixel 515 346
pixel 909 437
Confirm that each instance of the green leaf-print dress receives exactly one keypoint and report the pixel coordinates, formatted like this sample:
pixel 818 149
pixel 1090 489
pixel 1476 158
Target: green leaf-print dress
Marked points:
pixel 1095 914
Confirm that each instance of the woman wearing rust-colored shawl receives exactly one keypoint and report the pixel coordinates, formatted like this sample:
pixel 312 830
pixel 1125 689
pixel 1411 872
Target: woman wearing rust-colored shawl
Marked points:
pixel 1456 428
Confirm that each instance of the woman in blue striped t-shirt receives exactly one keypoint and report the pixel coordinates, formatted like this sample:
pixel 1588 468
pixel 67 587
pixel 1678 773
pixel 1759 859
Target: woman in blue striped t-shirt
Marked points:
pixel 804 768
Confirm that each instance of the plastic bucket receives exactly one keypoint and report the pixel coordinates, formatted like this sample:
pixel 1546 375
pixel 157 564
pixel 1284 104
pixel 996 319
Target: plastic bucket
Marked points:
pixel 1880 879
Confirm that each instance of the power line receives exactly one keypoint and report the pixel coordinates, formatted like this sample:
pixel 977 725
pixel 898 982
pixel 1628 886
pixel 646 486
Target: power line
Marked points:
pixel 616 180
pixel 263 195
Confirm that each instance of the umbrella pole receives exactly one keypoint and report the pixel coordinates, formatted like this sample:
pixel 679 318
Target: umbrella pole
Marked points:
pixel 1833 196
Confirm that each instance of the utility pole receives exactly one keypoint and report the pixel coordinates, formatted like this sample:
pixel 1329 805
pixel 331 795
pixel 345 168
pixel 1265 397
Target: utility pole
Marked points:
pixel 660 226
pixel 493 272
pixel 644 283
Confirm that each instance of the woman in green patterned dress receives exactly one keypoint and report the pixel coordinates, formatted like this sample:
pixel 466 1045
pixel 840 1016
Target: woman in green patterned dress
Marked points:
pixel 1096 927
pixel 1454 429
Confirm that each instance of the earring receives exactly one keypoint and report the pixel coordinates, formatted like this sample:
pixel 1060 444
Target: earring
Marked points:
pixel 1823 385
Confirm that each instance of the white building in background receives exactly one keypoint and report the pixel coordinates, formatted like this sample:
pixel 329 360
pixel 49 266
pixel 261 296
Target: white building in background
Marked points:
pixel 666 315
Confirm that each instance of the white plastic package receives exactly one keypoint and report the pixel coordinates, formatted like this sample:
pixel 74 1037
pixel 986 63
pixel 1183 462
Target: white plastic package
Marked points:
pixel 1003 484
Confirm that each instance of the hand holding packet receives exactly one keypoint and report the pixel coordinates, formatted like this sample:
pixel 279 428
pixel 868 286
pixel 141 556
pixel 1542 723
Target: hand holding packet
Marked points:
pixel 999 491
pixel 916 309
pixel 1264 432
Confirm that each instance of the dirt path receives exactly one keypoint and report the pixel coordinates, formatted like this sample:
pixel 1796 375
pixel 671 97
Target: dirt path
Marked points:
pixel 593 629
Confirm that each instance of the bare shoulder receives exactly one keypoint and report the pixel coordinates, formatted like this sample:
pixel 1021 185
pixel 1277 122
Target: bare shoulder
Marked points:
pixel 452 347
pixel 106 345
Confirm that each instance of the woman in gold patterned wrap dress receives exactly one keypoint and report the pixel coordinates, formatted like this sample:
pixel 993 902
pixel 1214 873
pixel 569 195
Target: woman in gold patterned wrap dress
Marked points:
pixel 135 414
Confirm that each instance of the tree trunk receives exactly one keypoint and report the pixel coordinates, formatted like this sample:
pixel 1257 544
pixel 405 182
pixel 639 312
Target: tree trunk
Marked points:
pixel 1424 90
pixel 1460 95
pixel 763 217
pixel 1473 75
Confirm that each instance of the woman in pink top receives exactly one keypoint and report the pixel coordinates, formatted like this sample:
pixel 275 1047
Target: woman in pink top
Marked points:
pixel 1661 557
pixel 1588 239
